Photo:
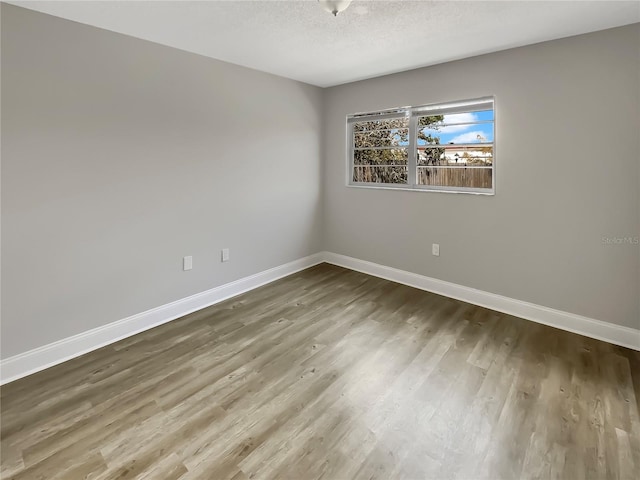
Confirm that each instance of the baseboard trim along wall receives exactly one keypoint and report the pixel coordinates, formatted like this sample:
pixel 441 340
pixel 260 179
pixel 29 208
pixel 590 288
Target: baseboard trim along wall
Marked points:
pixel 52 354
pixel 589 327
pixel 40 358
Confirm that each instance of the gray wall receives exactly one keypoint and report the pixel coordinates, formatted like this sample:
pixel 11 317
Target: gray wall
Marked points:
pixel 568 173
pixel 120 156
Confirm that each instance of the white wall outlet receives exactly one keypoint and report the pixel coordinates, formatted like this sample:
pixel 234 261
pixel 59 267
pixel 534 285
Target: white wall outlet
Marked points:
pixel 187 263
pixel 435 249
pixel 225 255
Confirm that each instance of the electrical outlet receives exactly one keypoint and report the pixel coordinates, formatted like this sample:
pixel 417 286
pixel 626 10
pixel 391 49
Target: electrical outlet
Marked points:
pixel 187 263
pixel 435 249
pixel 224 255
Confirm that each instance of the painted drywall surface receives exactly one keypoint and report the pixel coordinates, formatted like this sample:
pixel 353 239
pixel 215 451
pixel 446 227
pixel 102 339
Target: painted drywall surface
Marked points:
pixel 120 156
pixel 567 168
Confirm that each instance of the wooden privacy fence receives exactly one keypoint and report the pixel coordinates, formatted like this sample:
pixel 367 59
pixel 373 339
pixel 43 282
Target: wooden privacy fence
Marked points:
pixel 469 177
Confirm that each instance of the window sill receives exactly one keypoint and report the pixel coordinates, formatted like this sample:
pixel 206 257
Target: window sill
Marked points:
pixel 407 188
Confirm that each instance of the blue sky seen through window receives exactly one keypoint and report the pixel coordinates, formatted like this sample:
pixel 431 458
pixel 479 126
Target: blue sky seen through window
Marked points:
pixel 468 127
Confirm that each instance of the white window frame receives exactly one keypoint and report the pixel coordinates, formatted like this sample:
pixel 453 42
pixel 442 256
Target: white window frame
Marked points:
pixel 462 106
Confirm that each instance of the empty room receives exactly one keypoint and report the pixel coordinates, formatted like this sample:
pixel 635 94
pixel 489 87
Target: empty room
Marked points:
pixel 320 240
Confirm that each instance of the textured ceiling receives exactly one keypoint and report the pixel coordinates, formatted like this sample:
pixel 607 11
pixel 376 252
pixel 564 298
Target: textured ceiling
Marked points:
pixel 299 40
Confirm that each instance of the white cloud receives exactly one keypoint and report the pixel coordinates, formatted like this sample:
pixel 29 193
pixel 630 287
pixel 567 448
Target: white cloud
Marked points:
pixel 468 137
pixel 457 118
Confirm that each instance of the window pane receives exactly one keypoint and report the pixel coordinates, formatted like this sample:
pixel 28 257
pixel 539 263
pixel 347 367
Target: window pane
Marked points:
pixel 381 133
pixel 382 138
pixel 388 123
pixel 455 155
pixel 457 128
pixel 380 174
pixel 470 177
pixel 394 156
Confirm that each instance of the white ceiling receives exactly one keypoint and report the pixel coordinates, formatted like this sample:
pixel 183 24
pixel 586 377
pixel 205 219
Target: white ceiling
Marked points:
pixel 299 40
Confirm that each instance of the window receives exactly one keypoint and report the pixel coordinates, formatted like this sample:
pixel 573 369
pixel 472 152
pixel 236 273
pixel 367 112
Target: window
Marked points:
pixel 445 147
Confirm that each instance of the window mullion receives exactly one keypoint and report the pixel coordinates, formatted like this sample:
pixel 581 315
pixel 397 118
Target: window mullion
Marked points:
pixel 412 162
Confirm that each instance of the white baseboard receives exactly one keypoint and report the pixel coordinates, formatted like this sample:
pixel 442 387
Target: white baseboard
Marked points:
pixel 589 327
pixel 52 354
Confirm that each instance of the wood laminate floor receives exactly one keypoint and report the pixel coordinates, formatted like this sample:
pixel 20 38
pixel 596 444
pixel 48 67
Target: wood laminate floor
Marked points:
pixel 332 374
